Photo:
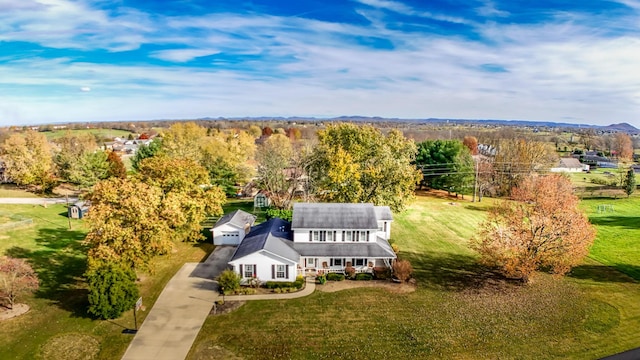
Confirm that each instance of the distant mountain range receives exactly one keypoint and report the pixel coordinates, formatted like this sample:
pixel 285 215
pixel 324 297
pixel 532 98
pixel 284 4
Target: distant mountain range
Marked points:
pixel 622 127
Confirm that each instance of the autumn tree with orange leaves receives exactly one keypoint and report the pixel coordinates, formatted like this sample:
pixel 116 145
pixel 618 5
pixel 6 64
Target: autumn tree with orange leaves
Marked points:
pixel 623 146
pixel 17 278
pixel 471 143
pixel 540 229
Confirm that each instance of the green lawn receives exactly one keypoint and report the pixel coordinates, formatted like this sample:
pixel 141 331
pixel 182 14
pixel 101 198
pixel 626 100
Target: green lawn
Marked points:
pixel 459 311
pixel 12 191
pixel 58 310
pixel 618 241
pixel 102 133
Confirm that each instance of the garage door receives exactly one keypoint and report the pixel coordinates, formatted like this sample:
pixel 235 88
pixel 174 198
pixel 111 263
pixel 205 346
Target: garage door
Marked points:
pixel 228 238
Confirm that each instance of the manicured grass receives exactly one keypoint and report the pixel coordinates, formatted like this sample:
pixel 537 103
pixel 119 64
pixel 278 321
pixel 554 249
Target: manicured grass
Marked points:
pixel 102 133
pixel 459 311
pixel 11 191
pixel 586 188
pixel 618 241
pixel 58 309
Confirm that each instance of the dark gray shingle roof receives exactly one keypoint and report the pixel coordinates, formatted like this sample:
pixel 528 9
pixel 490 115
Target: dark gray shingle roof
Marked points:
pixel 82 205
pixel 273 235
pixel 237 218
pixel 378 249
pixel 333 216
pixel 383 213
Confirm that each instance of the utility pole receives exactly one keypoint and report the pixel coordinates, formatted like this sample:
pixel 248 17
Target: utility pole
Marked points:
pixel 68 211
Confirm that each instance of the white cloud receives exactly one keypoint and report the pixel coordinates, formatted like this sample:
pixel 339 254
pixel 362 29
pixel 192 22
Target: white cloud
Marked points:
pixel 404 9
pixel 489 9
pixel 182 55
pixel 85 89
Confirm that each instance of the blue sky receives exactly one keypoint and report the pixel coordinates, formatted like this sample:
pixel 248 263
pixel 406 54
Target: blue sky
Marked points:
pixel 557 60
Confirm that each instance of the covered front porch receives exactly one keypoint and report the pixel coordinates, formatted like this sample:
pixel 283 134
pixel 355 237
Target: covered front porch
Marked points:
pixel 312 266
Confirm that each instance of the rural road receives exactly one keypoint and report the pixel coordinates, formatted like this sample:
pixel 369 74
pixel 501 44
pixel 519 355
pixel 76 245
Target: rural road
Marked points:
pixel 37 201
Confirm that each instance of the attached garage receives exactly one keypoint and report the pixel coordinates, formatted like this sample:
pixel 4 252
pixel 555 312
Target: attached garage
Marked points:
pixel 229 237
pixel 231 228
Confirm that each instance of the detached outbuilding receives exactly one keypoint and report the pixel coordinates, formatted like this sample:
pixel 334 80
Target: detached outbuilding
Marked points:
pixel 232 228
pixel 570 165
pixel 78 210
pixel 261 200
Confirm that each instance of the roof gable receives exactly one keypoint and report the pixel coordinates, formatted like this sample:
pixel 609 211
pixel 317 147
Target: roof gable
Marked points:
pixel 237 218
pixel 273 235
pixel 570 163
pixel 383 213
pixel 333 216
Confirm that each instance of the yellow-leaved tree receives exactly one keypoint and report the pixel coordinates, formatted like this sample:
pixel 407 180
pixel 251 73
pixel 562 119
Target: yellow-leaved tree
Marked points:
pixel 380 166
pixel 29 160
pixel 125 223
pixel 187 196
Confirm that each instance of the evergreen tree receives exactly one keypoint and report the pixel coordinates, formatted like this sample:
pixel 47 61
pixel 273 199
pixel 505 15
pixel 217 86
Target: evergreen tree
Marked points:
pixel 630 182
pixel 112 289
pixel 146 151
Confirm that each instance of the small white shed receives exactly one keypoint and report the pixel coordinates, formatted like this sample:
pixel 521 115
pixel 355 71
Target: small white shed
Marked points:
pixel 232 228
pixel 261 200
pixel 568 165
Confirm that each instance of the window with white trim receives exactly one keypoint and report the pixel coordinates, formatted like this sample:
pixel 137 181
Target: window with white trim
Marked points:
pixel 320 235
pixel 281 271
pixel 248 271
pixel 359 262
pixel 337 262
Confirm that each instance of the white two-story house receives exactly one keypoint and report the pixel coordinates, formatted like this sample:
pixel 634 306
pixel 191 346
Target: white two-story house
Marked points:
pixel 322 237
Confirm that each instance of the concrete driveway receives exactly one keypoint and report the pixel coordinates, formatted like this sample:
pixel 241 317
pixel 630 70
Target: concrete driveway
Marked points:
pixel 177 316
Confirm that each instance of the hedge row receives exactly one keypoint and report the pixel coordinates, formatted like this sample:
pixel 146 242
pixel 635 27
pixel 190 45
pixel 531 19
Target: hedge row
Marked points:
pixel 285 284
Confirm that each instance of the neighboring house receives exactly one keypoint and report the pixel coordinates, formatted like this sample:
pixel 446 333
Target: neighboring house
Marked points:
pixel 78 210
pixel 321 238
pixel 570 165
pixel 232 228
pixel 261 200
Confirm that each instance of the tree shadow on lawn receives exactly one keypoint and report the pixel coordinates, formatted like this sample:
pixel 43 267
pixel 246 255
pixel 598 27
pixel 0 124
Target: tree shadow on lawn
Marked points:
pixel 620 273
pixel 456 272
pixel 60 264
pixel 205 246
pixel 626 222
pixel 478 208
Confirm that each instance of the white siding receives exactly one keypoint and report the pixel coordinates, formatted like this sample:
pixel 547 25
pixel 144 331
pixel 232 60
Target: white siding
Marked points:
pixel 306 235
pixel 384 229
pixel 263 262
pixel 566 169
pixel 301 236
pixel 227 235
